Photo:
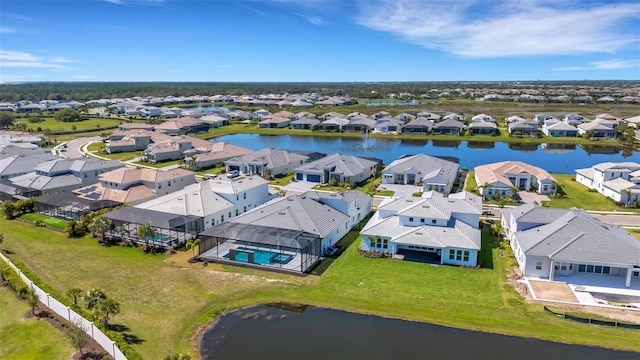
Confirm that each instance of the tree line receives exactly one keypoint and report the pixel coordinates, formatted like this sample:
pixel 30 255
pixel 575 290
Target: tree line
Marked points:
pixel 66 91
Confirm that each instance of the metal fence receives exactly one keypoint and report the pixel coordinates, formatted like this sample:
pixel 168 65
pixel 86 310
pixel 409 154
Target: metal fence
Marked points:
pixel 593 321
pixel 68 314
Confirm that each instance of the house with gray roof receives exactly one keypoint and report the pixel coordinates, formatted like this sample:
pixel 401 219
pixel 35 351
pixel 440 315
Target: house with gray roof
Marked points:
pixel 359 124
pixel 304 123
pixel 448 126
pixel 389 126
pixel 286 234
pixel 211 154
pixel 556 128
pixel 482 127
pixel 570 245
pixel 343 168
pixel 15 161
pixel 618 181
pixel 62 175
pixel 433 173
pixel 269 161
pixel 431 228
pixel 211 201
pixel 523 128
pixel 597 130
pixel 332 124
pixel 420 125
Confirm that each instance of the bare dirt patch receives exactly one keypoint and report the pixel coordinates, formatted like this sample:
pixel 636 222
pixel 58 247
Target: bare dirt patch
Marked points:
pixel 545 290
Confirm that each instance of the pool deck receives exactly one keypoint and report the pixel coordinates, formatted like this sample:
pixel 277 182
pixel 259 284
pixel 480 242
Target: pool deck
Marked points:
pixel 218 253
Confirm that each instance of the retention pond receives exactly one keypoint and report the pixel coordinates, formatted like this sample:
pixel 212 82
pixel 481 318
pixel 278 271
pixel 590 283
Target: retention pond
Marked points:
pixel 301 332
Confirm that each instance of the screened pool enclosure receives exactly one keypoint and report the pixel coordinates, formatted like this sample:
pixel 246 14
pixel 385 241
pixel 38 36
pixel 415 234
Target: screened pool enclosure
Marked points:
pixel 260 246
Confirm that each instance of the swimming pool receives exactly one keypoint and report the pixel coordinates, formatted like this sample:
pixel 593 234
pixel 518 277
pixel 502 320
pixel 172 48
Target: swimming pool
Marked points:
pixel 262 257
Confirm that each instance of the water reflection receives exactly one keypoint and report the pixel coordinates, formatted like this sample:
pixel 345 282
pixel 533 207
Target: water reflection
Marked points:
pixel 481 144
pixel 558 148
pixel 446 143
pixel 600 149
pixel 298 332
pixel 529 147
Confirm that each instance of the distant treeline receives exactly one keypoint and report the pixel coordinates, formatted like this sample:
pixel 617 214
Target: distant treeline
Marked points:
pixel 82 91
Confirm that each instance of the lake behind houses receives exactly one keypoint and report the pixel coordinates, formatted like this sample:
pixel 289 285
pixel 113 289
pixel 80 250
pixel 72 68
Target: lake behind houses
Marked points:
pixel 266 332
pixel 555 158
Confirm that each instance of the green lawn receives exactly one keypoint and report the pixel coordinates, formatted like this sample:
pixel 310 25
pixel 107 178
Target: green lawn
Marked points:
pixel 578 195
pixel 23 338
pixel 51 221
pixel 164 298
pixel 162 164
pixel 53 125
pixel 282 181
pixel 98 149
pixel 470 184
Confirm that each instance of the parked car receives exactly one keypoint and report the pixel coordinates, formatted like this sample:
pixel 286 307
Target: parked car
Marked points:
pixel 487 212
pixel 233 174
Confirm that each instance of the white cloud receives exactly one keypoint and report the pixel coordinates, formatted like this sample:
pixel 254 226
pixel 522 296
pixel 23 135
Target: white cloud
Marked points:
pixel 18 59
pixel 475 28
pixel 137 2
pixel 614 64
pixel 7 30
pixel 315 20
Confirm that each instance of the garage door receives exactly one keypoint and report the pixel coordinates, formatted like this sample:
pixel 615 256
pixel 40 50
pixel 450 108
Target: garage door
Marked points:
pixel 313 178
pixel 299 176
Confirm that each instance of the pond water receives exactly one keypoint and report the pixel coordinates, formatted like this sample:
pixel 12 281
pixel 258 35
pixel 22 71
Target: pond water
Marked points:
pixel 555 158
pixel 264 332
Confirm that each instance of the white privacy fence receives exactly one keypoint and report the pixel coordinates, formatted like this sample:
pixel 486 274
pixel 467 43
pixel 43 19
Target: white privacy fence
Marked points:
pixel 68 314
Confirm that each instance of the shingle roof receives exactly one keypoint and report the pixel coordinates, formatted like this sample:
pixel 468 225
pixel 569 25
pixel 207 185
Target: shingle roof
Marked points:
pixel 344 164
pixel 497 172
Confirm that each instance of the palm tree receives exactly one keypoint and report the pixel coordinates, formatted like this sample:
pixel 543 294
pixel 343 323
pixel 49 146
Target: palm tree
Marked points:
pixel 514 191
pixel 32 299
pixel 484 189
pixel 100 226
pixel 74 294
pixel 191 244
pixel 145 231
pixel 93 297
pixel 627 192
pixel 106 308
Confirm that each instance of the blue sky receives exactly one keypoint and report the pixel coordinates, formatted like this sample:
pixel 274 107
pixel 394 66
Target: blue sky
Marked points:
pixel 318 40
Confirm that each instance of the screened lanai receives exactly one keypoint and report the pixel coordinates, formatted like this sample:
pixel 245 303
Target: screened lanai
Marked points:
pixel 69 206
pixel 260 246
pixel 166 230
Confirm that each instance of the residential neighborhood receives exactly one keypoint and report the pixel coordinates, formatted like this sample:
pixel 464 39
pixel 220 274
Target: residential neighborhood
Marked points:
pixel 161 183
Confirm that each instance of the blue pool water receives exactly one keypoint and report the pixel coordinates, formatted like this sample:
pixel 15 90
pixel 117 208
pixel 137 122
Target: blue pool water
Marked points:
pixel 262 257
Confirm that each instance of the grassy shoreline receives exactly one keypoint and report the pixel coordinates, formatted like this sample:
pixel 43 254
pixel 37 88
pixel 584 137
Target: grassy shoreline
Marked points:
pixel 165 297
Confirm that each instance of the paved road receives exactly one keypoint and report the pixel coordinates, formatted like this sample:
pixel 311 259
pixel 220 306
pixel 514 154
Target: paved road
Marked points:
pixel 73 146
pixel 622 220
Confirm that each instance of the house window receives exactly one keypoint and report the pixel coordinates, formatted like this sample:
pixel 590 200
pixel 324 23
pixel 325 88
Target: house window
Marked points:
pixel 244 196
pixel 459 255
pixel 410 219
pixel 433 221
pixel 465 255
pixel 452 254
pixel 539 265
pixel 237 212
pixel 422 221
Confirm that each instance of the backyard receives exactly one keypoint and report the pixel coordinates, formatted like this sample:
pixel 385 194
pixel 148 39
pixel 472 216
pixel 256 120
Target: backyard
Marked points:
pixel 165 299
pixel 27 337
pixel 51 221
pixel 577 195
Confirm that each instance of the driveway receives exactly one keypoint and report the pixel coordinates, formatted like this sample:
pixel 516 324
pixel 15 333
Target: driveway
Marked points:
pixel 298 187
pixel 400 190
pixel 531 197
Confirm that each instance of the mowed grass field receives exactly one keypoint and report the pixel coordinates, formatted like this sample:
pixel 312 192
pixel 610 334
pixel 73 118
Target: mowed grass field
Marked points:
pixel 53 125
pixel 27 338
pixel 51 221
pixel 165 299
pixel 578 195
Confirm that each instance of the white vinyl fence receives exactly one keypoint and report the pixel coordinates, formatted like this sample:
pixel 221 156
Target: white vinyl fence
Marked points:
pixel 68 314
